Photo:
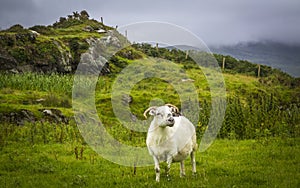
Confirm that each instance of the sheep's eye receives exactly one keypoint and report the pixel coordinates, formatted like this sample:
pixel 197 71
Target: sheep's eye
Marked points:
pixel 159 114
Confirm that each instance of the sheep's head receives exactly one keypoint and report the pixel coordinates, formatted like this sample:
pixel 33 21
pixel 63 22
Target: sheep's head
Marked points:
pixel 163 115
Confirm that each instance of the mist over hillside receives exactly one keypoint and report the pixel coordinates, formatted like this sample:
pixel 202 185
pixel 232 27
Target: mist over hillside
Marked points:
pixel 278 55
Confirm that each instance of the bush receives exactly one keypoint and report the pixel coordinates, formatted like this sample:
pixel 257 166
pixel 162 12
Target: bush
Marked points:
pixel 20 54
pixel 67 23
pixel 7 40
pixel 16 28
pixel 42 29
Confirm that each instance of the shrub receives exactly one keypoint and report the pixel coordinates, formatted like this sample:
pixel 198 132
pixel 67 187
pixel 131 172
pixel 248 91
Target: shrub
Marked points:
pixel 16 28
pixel 42 29
pixel 20 54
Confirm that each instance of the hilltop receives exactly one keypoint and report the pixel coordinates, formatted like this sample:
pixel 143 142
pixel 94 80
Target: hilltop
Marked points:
pixel 47 49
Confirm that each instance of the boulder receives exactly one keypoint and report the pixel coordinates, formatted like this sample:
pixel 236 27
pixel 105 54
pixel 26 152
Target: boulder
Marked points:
pixel 19 117
pixel 54 115
pixel 7 62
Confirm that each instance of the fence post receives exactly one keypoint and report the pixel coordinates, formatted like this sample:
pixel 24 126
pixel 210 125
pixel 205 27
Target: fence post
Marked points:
pixel 187 54
pixel 258 72
pixel 223 64
pixel 126 34
pixel 76 153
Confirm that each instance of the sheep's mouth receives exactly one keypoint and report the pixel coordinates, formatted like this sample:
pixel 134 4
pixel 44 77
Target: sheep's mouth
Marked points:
pixel 171 125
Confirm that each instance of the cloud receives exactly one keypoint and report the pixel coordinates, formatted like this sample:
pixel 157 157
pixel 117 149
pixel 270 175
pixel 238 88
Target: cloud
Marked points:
pixel 15 11
pixel 216 22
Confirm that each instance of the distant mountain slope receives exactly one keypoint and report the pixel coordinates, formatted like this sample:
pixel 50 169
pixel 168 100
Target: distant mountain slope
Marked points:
pixel 278 55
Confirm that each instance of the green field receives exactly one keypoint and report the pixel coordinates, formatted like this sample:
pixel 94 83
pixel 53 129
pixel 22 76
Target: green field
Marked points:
pixel 272 162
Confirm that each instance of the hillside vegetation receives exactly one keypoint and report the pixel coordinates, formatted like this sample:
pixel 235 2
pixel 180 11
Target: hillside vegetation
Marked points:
pixel 254 103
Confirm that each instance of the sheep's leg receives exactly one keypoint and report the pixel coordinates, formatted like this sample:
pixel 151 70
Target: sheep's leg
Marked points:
pixel 193 161
pixel 157 169
pixel 169 162
pixel 182 170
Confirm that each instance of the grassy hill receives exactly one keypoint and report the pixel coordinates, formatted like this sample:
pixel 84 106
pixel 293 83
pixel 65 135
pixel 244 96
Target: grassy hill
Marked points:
pixel 57 49
pixel 257 103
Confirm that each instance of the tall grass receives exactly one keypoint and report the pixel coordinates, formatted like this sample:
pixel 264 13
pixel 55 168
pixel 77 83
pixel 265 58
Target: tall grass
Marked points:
pixel 54 83
pixel 39 133
pixel 256 118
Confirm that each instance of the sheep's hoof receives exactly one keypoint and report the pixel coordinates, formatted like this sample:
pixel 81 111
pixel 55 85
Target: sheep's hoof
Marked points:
pixel 194 174
pixel 182 175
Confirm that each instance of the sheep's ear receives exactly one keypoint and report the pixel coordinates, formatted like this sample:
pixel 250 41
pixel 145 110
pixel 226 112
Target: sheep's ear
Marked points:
pixel 152 112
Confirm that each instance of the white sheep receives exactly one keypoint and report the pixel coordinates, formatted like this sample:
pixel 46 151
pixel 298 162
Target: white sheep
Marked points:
pixel 170 139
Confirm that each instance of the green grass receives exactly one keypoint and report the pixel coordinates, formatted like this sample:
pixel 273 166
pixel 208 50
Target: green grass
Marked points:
pixel 43 154
pixel 61 84
pixel 227 163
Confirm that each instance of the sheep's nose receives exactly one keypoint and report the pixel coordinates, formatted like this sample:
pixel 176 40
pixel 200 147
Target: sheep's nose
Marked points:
pixel 171 120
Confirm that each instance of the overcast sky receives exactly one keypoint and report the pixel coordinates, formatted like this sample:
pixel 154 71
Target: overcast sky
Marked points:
pixel 214 21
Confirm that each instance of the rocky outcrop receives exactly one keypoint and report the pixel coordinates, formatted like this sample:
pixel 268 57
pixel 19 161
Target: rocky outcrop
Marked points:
pixel 19 117
pixel 55 56
pixel 7 62
pixel 100 50
pixel 54 115
pixel 43 57
pixel 23 116
pixel 56 48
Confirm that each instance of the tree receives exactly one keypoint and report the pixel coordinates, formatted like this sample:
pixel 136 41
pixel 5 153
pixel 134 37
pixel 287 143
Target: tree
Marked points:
pixel 84 15
pixel 76 15
pixel 16 28
pixel 62 19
